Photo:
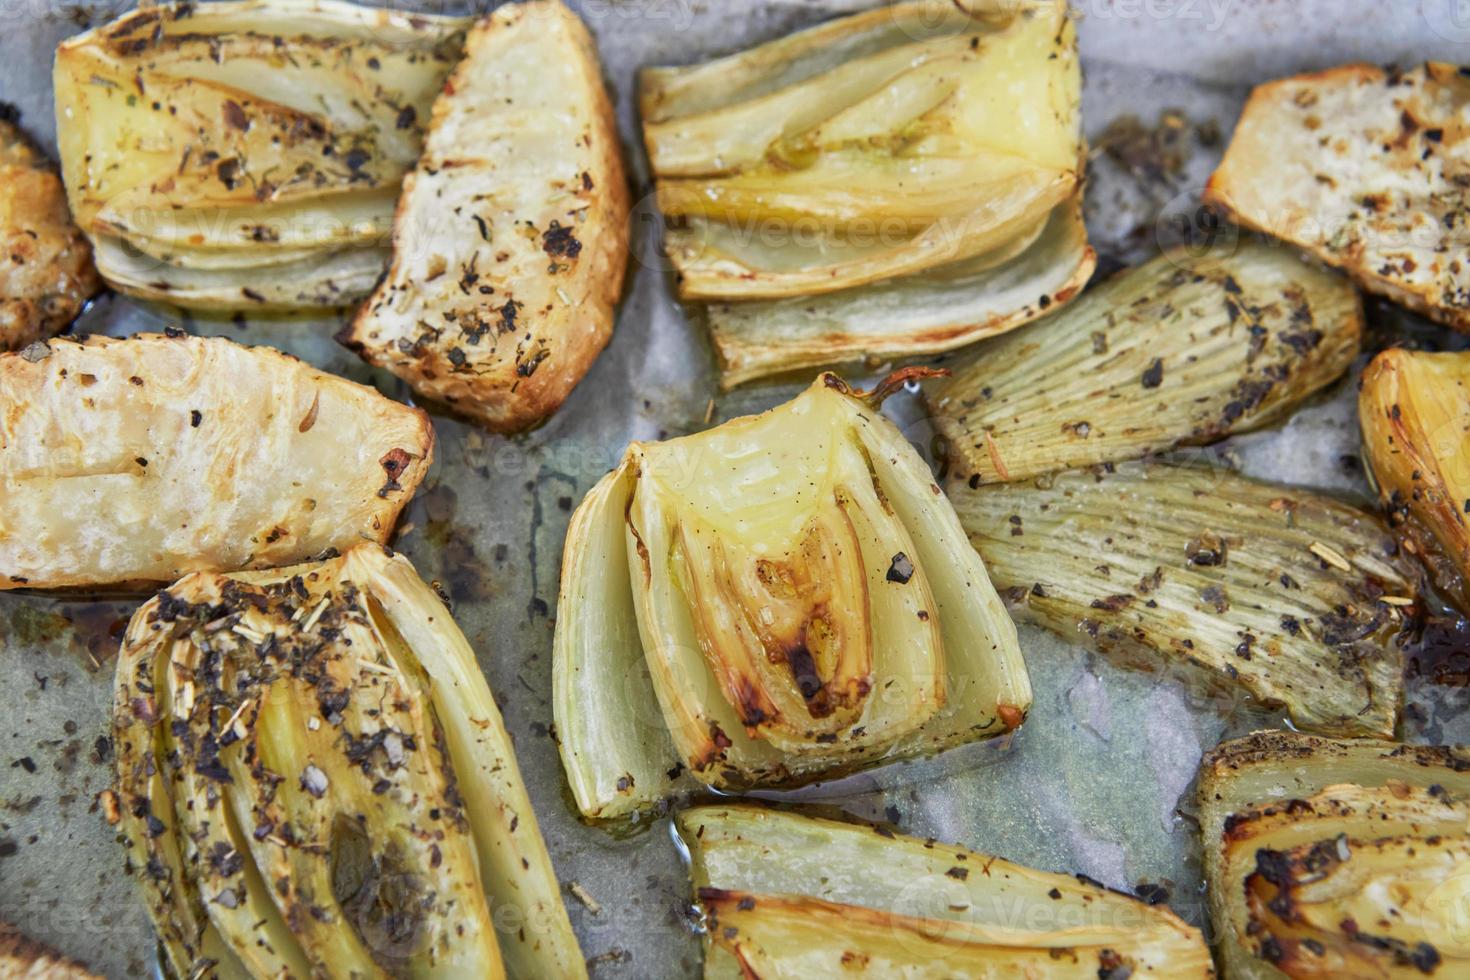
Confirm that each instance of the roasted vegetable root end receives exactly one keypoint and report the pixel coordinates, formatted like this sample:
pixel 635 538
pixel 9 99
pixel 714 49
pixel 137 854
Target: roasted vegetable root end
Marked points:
pixel 511 239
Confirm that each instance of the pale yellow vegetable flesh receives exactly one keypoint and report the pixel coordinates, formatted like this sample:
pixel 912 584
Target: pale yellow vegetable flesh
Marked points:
pixel 872 186
pixel 246 154
pixel 1414 409
pixel 784 895
pixel 801 598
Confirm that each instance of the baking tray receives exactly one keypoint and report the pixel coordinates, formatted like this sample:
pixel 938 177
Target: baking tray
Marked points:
pixel 1098 780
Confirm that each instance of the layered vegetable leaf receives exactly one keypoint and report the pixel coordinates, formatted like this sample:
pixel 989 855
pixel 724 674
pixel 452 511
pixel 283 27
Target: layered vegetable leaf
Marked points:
pixel 1336 858
pixel 784 597
pixel 926 139
pixel 246 153
pixel 315 779
pixel 1183 350
pixel 784 895
pixel 1293 597
pixel 1414 409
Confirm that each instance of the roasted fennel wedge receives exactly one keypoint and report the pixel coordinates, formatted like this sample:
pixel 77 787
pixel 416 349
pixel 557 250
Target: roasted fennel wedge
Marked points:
pixel 49 273
pixel 246 154
pixel 135 461
pixel 1336 858
pixel 1365 168
pixel 1286 594
pixel 1414 409
pixel 928 138
pixel 784 895
pixel 925 313
pixel 315 780
pixel 1183 350
pixel 782 598
pixel 511 240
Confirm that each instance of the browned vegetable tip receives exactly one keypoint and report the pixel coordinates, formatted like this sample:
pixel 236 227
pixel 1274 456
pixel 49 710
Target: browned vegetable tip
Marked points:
pixel 22 958
pixel 1363 167
pixel 47 274
pixel 1414 409
pixel 511 238
pixel 1329 858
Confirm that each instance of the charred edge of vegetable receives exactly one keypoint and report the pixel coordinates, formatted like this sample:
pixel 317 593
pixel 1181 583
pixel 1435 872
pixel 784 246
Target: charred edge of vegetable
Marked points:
pixel 1266 747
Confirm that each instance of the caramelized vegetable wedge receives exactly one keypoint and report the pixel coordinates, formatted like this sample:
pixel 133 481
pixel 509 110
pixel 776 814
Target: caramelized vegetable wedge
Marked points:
pixel 1293 596
pixel 134 461
pixel 48 274
pixel 246 154
pixel 1184 350
pixel 801 596
pixel 22 958
pixel 925 313
pixel 790 896
pixel 927 138
pixel 511 241
pixel 315 779
pixel 1363 167
pixel 1414 408
pixel 1328 858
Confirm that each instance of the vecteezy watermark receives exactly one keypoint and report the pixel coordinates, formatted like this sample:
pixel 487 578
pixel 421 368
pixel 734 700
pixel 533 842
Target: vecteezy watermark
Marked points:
pixel 1450 19
pixel 676 15
pixel 1210 14
pixel 1448 905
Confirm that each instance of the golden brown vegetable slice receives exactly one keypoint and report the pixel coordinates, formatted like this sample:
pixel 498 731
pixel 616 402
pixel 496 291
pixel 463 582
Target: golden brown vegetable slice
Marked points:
pixel 314 778
pixel 246 154
pixel 882 144
pixel 1186 349
pixel 1364 167
pixel 512 236
pixel 48 272
pixel 796 600
pixel 1414 408
pixel 896 182
pixel 22 958
pixel 791 896
pixel 1330 857
pixel 131 461
pixel 1291 595
pixel 1309 900
pixel 933 311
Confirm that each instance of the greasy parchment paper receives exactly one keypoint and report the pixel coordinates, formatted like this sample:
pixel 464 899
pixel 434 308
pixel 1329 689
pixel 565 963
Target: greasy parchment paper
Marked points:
pixel 1098 779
